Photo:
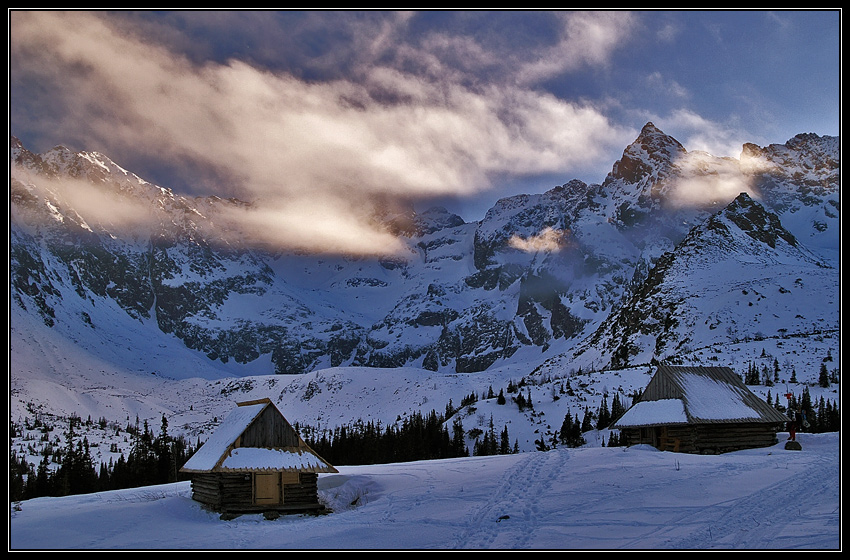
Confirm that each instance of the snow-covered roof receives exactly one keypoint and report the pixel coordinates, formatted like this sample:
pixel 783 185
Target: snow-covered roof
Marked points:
pixel 208 455
pixel 681 395
pixel 219 453
pixel 653 413
pixel 256 458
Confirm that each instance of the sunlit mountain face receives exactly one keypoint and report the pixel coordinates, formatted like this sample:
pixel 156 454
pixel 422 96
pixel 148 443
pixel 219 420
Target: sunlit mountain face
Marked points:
pixel 663 255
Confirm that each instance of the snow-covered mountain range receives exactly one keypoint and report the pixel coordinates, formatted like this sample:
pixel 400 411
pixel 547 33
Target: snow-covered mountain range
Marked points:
pixel 675 256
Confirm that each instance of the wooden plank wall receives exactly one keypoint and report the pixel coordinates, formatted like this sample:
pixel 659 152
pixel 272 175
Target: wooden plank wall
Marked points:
pixel 306 492
pixel 270 429
pixel 223 491
pixel 732 437
pixel 234 492
pixel 708 438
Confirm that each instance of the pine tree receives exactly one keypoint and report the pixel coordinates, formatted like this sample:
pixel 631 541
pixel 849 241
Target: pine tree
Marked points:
pixel 823 376
pixel 566 427
pixel 76 473
pixel 604 418
pixel 492 442
pixel 166 470
pixel 617 408
pixel 458 440
pixel 19 469
pixel 42 483
pixel 833 417
pixel 819 423
pixel 752 375
pixel 570 433
pixel 520 401
pixel 587 421
pixel 504 443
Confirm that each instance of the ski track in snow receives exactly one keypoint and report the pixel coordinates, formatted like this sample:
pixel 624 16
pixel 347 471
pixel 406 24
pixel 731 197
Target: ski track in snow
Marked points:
pixel 563 499
pixel 754 520
pixel 497 523
pixel 785 514
pixel 751 520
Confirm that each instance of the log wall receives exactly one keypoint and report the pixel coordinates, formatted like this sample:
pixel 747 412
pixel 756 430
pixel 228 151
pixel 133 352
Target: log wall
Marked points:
pixel 704 438
pixel 306 492
pixel 233 492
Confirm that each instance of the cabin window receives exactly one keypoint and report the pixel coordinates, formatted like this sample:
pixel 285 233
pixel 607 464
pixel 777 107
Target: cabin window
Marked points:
pixel 289 478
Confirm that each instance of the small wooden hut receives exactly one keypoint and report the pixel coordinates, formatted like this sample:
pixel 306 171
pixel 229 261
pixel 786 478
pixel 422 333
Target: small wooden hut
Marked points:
pixel 699 410
pixel 255 461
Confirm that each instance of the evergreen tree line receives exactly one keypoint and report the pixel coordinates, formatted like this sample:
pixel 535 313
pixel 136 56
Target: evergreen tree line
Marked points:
pixel 153 459
pixel 156 459
pixel 822 416
pixel 771 376
pixel 417 437
pixel 571 433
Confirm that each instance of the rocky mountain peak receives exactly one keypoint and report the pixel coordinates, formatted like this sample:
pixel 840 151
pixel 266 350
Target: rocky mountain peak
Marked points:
pixel 756 221
pixel 651 152
pixel 805 153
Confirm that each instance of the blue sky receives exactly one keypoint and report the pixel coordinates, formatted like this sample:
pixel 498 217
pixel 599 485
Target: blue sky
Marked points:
pixel 332 109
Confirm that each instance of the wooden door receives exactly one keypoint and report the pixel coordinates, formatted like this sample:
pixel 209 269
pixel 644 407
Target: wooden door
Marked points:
pixel 267 488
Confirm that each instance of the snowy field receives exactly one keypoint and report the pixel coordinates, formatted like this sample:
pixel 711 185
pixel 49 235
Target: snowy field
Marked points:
pixel 592 498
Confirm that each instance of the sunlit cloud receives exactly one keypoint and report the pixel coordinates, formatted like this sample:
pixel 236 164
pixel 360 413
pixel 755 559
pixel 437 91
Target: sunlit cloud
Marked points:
pixel 706 180
pixel 302 226
pixel 89 206
pixel 549 240
pixel 316 227
pixel 308 148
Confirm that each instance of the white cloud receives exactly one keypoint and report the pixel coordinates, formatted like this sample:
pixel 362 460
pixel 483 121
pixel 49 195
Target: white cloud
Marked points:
pixel 549 240
pixel 706 180
pixel 296 144
pixel 587 39
pixel 699 133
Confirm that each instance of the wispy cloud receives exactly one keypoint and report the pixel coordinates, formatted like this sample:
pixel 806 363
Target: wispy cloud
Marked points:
pixel 309 151
pixel 700 133
pixel 587 39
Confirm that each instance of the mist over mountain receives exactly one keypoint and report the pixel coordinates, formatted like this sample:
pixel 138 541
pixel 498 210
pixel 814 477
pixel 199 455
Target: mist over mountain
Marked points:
pixel 560 272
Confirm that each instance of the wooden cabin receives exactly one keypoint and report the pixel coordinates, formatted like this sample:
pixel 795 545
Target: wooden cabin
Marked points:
pixel 255 461
pixel 699 410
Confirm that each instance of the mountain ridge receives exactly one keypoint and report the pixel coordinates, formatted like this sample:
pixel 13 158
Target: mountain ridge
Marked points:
pixel 539 274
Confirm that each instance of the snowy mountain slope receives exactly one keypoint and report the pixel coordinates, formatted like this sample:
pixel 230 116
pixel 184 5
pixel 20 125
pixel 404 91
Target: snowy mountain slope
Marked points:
pixel 737 276
pixel 86 386
pixel 158 298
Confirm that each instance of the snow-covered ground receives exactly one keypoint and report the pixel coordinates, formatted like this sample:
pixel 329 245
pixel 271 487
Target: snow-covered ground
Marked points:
pixel 595 498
